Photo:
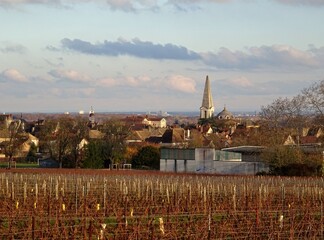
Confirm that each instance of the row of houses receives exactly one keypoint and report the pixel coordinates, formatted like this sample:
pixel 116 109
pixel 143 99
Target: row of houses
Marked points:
pixel 151 129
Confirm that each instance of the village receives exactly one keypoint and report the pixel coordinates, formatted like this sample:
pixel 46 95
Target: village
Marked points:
pixel 209 143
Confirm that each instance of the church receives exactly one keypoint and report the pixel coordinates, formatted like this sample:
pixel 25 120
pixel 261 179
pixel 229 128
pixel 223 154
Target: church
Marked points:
pixel 207 107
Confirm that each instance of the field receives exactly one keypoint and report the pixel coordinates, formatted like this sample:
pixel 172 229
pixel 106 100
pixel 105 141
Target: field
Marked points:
pixel 104 204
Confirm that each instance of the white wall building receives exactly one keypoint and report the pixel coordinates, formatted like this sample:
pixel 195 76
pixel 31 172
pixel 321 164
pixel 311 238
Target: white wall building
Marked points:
pixel 207 160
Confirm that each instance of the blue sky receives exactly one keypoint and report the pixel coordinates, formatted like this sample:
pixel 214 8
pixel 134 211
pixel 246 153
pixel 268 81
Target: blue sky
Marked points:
pixel 150 55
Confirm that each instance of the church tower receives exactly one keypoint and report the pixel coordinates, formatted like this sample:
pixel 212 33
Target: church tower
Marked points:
pixel 207 106
pixel 92 120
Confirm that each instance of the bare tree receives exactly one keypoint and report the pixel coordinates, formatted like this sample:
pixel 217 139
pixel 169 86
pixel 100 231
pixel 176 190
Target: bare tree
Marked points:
pixel 62 138
pixel 56 136
pixel 314 97
pixel 14 140
pixel 78 133
pixel 115 133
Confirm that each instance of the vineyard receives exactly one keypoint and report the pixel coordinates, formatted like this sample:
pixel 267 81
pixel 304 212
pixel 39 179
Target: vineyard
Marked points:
pixel 107 204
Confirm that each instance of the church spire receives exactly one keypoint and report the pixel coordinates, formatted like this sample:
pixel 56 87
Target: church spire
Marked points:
pixel 207 106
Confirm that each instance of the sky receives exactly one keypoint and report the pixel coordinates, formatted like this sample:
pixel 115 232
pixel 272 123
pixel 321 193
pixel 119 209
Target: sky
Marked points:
pixel 152 55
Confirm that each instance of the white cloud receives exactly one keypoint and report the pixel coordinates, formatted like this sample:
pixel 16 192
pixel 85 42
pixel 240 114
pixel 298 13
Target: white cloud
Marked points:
pixel 71 75
pixel 241 82
pixel 107 82
pixel 146 83
pixel 275 56
pixel 13 75
pixel 181 83
pixel 136 81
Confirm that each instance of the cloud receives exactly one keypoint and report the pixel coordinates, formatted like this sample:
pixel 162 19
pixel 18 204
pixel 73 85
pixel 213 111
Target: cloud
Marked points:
pixel 15 3
pixel 241 82
pixel 240 86
pixel 263 57
pixel 136 5
pixel 107 82
pixel 13 75
pixel 72 92
pixel 278 56
pixel 135 81
pixel 302 2
pixel 122 5
pixel 136 48
pixel 70 75
pixel 12 48
pixel 52 48
pixel 181 83
pixel 175 83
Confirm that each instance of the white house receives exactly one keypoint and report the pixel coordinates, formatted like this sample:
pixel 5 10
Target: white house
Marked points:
pixel 155 122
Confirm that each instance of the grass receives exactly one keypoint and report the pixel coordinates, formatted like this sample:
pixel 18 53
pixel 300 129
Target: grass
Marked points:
pixel 19 165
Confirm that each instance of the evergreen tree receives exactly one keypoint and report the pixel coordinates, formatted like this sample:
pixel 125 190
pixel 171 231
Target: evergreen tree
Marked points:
pixel 31 156
pixel 147 157
pixel 93 155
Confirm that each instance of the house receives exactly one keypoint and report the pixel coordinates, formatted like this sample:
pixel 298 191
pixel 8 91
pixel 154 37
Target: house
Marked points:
pixel 309 136
pixel 174 137
pixel 147 121
pixel 95 134
pixel 153 135
pixel 23 143
pixel 155 122
pixel 290 140
pixel 206 129
pixel 5 120
pixel 315 132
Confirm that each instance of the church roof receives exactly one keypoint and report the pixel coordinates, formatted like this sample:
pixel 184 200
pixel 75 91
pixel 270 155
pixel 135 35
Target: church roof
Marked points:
pixel 225 114
pixel 207 101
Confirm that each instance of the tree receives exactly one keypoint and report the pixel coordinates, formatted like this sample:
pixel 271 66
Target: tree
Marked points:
pixel 56 136
pixel 62 135
pixel 291 161
pixel 14 141
pixel 93 155
pixel 114 141
pixel 31 156
pixel 78 133
pixel 130 153
pixel 285 112
pixel 314 96
pixel 284 116
pixel 289 116
pixel 147 157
